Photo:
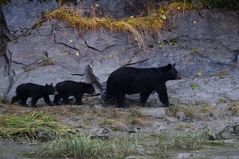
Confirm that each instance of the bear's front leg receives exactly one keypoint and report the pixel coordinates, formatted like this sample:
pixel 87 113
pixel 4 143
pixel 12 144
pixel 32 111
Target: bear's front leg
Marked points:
pixel 23 100
pixel 144 97
pixel 163 95
pixel 78 98
pixel 66 99
pixel 121 100
pixel 47 100
pixel 34 100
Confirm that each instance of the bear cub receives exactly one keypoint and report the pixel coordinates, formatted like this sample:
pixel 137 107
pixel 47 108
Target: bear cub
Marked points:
pixel 26 90
pixel 129 80
pixel 69 88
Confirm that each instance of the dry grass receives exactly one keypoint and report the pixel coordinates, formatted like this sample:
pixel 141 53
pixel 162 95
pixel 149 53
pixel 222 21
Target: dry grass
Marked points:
pixel 75 20
pixel 192 111
pixel 137 26
pixel 234 108
pixel 115 125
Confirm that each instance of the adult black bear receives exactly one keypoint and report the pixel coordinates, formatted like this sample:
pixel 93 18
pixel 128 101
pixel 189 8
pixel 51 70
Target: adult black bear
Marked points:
pixel 66 89
pixel 128 80
pixel 26 90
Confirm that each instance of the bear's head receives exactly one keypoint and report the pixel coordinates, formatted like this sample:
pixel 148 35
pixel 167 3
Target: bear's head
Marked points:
pixel 90 89
pixel 50 89
pixel 171 72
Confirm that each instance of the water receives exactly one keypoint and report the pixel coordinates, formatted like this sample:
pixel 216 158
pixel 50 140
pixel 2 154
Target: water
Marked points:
pixel 211 152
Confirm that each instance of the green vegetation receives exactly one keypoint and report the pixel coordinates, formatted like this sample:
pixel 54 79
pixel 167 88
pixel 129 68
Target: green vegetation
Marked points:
pixel 156 146
pixel 84 147
pixel 194 85
pixel 30 126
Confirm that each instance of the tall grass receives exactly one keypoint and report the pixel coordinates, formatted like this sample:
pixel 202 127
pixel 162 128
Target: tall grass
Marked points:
pixel 29 126
pixel 84 147
pixel 148 146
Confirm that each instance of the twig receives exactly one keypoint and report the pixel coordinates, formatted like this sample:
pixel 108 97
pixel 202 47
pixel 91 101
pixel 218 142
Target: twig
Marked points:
pixel 61 43
pixel 132 63
pixel 219 134
pixel 78 74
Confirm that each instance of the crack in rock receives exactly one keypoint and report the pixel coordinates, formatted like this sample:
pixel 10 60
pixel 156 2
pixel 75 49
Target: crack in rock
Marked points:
pixel 10 73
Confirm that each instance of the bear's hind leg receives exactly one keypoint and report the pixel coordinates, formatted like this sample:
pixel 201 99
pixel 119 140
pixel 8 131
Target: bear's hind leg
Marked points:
pixel 78 98
pixel 34 101
pixel 57 98
pixel 65 99
pixel 106 96
pixel 23 100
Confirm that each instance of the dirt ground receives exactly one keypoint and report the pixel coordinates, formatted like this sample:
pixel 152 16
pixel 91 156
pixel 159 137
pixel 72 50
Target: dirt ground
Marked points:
pixel 104 122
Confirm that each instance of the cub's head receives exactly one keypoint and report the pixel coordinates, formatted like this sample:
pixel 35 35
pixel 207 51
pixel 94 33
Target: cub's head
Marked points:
pixel 50 89
pixel 171 72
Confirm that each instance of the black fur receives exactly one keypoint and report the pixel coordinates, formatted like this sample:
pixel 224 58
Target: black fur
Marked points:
pixel 128 80
pixel 66 89
pixel 26 90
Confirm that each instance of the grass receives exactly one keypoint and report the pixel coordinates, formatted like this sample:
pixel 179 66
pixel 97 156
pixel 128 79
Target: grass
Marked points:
pixel 189 141
pixel 136 25
pixel 115 125
pixel 234 108
pixel 30 126
pixel 75 20
pixel 189 111
pixel 148 146
pixel 192 111
pixel 84 147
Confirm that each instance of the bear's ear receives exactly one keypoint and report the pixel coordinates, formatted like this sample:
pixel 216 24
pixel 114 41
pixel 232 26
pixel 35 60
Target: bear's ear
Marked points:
pixel 46 84
pixel 51 84
pixel 174 64
pixel 169 66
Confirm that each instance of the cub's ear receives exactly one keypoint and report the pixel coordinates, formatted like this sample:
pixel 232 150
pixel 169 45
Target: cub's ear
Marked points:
pixel 46 84
pixel 169 66
pixel 51 84
pixel 174 64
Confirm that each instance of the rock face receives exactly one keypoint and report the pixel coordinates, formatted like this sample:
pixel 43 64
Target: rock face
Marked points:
pixel 203 44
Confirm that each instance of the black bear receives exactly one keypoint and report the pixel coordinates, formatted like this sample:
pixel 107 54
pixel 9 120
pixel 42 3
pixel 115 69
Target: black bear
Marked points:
pixel 26 90
pixel 66 89
pixel 128 80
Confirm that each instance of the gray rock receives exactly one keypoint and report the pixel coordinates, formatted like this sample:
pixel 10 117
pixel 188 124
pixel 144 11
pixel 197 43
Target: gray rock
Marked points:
pixel 22 15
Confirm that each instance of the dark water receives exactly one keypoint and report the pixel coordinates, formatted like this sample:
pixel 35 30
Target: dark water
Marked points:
pixel 230 151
